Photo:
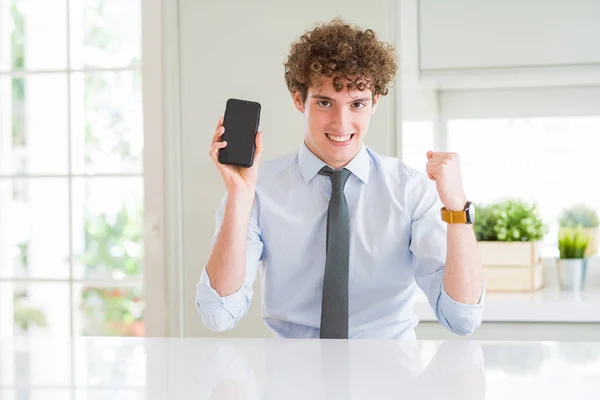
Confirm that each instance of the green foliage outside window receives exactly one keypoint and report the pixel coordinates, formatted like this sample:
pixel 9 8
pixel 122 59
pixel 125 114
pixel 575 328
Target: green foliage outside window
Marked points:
pixel 18 84
pixel 112 243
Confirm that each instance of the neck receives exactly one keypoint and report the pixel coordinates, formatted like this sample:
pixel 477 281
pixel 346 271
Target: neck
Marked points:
pixel 336 166
pixel 332 164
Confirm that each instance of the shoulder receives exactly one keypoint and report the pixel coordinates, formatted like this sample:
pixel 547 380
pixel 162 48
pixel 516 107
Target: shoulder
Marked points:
pixel 394 168
pixel 278 173
pixel 276 166
pixel 405 181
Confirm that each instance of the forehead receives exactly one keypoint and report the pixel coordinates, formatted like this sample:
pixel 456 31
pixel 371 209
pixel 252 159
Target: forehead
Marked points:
pixel 327 89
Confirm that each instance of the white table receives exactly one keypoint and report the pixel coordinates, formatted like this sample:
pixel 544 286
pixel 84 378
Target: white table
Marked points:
pixel 120 368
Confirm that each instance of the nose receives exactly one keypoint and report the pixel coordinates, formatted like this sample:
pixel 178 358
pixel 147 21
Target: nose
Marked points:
pixel 341 121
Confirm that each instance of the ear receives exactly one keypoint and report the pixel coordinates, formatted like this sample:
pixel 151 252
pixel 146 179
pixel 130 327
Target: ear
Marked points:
pixel 375 102
pixel 297 98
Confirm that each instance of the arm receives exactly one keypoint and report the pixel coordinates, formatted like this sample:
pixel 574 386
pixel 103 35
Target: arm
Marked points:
pixel 226 265
pixel 463 275
pixel 463 278
pixel 431 241
pixel 224 291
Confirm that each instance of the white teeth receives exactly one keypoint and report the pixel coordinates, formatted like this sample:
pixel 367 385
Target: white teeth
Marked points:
pixel 339 138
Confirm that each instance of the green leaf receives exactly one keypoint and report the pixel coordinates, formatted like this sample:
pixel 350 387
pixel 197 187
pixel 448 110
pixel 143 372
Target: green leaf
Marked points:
pixel 572 242
pixel 579 215
pixel 510 220
pixel 25 316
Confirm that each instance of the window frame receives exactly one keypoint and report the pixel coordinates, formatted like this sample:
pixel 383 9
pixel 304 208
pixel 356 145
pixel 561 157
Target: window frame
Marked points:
pixel 152 174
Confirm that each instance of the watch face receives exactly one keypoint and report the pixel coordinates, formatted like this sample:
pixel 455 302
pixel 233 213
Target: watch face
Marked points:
pixel 471 213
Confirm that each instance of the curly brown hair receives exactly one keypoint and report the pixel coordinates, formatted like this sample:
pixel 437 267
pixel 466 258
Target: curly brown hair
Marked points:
pixel 344 51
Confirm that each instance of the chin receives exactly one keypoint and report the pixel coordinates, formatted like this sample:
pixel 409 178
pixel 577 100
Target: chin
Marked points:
pixel 343 155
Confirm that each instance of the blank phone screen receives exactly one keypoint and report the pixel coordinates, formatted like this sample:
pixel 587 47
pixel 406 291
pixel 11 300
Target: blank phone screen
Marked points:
pixel 241 123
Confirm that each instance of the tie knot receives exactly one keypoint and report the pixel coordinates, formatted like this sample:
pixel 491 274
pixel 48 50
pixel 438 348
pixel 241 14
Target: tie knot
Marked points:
pixel 338 177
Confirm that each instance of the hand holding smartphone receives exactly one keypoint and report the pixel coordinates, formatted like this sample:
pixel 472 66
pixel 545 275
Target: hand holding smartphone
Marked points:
pixel 241 121
pixel 238 167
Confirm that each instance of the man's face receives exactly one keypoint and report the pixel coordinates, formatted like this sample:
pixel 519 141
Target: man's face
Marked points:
pixel 336 122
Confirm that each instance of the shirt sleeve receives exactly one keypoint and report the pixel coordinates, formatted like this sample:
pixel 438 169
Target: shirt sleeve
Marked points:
pixel 428 246
pixel 220 313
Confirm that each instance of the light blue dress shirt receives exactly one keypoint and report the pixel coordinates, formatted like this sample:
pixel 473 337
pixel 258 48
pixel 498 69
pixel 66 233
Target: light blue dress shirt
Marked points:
pixel 397 245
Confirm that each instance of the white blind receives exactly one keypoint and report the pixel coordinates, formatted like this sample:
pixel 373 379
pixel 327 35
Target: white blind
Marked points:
pixel 520 103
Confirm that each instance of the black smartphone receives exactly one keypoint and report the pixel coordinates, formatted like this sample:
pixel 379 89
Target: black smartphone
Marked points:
pixel 240 121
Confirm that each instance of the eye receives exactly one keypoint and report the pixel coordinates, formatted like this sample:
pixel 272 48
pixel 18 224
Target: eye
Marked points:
pixel 323 103
pixel 358 105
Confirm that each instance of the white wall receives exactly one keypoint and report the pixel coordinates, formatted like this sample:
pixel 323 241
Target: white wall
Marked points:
pixel 419 100
pixel 237 48
pixel 474 44
pixel 485 34
pixel 520 103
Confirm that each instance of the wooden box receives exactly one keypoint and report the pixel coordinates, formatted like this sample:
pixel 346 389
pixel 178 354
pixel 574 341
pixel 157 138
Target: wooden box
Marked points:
pixel 512 266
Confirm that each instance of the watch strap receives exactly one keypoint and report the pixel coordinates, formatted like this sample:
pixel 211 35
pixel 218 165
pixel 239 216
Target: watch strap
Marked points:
pixel 454 217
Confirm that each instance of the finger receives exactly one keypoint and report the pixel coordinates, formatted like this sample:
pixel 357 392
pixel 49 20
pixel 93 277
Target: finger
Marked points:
pixel 217 136
pixel 429 171
pixel 432 166
pixel 429 154
pixel 439 157
pixel 219 123
pixel 214 150
pixel 259 147
pixel 433 171
pixel 438 162
pixel 444 156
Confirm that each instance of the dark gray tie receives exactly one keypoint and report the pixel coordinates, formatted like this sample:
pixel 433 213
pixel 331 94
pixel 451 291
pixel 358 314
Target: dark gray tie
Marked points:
pixel 334 309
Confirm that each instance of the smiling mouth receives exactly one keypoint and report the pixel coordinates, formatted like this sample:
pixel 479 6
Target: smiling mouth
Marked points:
pixel 339 138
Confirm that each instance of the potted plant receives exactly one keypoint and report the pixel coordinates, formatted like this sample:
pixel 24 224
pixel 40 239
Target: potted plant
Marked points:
pixel 572 263
pixel 585 217
pixel 509 234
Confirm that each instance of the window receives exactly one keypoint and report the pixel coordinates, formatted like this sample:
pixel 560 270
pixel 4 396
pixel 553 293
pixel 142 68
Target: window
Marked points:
pixel 538 144
pixel 71 175
pixel 548 161
pixel 417 140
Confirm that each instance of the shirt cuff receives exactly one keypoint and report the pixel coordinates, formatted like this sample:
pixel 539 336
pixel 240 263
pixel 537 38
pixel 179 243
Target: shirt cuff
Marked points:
pixel 208 298
pixel 460 318
pixel 457 305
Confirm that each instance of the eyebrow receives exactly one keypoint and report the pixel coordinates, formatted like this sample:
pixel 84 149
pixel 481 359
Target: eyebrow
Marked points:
pixel 321 97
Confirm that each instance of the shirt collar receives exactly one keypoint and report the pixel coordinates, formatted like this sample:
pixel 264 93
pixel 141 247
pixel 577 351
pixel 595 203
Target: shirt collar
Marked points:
pixel 310 164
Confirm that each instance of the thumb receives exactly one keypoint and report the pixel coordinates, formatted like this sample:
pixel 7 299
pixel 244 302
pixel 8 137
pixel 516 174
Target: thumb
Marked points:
pixel 429 154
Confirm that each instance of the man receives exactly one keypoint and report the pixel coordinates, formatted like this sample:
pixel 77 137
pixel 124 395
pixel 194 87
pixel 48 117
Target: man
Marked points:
pixel 343 235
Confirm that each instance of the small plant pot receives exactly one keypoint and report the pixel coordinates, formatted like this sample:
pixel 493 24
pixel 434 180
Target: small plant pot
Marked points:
pixel 571 273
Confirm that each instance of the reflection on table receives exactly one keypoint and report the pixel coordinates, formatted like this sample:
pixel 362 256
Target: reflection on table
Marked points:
pixel 145 368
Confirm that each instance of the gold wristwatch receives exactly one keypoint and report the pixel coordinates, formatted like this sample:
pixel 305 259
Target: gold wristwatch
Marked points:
pixel 464 216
